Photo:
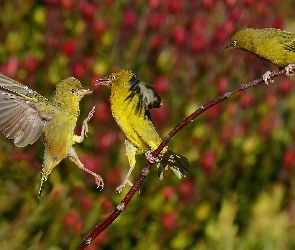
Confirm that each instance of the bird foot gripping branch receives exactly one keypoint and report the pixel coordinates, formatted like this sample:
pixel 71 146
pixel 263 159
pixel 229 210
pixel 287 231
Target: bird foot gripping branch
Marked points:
pixel 267 78
pixel 290 70
pixel 151 158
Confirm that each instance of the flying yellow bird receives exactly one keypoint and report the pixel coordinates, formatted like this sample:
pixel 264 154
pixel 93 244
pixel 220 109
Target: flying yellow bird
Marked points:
pixel 24 115
pixel 131 101
pixel 271 45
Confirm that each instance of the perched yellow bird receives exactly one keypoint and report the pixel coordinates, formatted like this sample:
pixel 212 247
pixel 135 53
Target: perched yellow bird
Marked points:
pixel 271 45
pixel 131 101
pixel 24 115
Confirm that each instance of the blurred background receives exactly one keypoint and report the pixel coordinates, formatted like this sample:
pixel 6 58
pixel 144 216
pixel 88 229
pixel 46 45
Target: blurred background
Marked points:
pixel 240 193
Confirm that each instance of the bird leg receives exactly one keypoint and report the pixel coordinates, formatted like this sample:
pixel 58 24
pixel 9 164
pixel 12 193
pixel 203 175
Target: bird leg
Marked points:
pixel 267 78
pixel 84 130
pixel 151 158
pixel 126 181
pixel 290 70
pixel 74 158
pixel 131 151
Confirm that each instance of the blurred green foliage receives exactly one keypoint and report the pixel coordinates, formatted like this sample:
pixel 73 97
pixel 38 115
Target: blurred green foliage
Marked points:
pixel 240 191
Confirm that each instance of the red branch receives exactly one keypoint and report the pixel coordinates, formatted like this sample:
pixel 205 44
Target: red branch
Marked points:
pixel 145 171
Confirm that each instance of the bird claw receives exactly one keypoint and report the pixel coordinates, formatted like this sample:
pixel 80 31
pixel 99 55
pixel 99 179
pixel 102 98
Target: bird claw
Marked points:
pixel 99 182
pixel 290 70
pixel 120 188
pixel 86 129
pixel 151 158
pixel 267 78
pixel 85 125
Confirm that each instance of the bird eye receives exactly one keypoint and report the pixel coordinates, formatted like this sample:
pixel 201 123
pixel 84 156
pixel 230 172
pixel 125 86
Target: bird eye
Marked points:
pixel 73 91
pixel 113 78
pixel 234 43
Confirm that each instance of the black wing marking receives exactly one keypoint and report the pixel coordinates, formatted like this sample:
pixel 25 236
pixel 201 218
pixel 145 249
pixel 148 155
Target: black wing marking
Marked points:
pixel 148 98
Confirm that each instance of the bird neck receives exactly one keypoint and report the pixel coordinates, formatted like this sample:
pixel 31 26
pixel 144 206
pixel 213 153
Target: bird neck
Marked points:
pixel 68 105
pixel 249 41
pixel 119 93
pixel 123 87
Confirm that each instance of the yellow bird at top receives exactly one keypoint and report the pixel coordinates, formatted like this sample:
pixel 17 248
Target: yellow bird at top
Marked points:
pixel 131 101
pixel 25 115
pixel 274 46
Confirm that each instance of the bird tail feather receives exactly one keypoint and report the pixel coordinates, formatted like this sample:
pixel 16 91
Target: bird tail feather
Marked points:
pixel 178 163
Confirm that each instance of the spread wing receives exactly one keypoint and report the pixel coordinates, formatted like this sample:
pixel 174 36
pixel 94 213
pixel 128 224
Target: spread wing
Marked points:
pixel 148 98
pixel 23 112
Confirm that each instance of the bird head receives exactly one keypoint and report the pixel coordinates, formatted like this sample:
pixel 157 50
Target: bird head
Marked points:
pixel 129 82
pixel 240 40
pixel 119 77
pixel 70 89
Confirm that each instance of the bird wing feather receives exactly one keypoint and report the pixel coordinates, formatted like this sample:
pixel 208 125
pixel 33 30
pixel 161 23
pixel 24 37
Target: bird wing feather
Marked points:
pixel 23 112
pixel 288 42
pixel 148 98
pixel 290 46
pixel 145 129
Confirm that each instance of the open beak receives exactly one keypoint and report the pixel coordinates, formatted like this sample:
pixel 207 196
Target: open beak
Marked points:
pixel 85 91
pixel 228 47
pixel 103 81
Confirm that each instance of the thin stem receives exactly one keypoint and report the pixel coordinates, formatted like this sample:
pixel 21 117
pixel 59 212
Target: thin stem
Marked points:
pixel 145 171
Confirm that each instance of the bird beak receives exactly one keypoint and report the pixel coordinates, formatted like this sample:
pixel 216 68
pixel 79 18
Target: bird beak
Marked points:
pixel 103 81
pixel 228 47
pixel 85 91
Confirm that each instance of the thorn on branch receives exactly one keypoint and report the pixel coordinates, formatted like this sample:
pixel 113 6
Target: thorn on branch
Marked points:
pixel 88 241
pixel 145 171
pixel 121 206
pixel 227 95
